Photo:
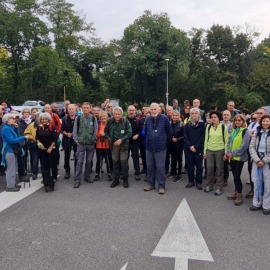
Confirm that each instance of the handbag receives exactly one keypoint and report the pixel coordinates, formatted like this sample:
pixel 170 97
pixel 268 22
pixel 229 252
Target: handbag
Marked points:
pixel 17 149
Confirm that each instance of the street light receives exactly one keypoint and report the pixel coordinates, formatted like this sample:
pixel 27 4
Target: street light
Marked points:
pixel 167 89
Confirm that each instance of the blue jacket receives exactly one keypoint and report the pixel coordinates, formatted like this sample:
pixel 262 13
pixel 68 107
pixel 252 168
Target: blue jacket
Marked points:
pixel 194 135
pixel 158 133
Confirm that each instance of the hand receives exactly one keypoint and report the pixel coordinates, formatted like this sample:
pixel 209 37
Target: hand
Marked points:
pixel 260 163
pixel 230 156
pixel 135 137
pixel 69 135
pixel 252 133
pixel 225 157
pixel 118 142
pixel 27 136
pixel 192 148
pixel 204 156
pixel 174 139
pixel 49 150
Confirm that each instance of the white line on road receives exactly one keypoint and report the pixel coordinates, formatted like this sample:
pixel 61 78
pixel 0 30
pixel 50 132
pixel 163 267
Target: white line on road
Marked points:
pixel 9 198
pixel 124 267
pixel 183 239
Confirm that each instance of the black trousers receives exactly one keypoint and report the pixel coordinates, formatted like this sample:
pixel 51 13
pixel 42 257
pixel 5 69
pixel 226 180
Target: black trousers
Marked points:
pixel 104 154
pixel 237 167
pixel 49 162
pixel 177 153
pixel 134 150
pixel 68 144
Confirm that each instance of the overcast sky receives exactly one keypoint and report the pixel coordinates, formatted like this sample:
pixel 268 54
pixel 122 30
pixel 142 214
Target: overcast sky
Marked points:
pixel 110 18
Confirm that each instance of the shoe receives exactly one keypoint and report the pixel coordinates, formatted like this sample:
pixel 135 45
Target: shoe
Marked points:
pixel 218 192
pixel 34 177
pixel 17 186
pixel 255 208
pixel 232 196
pixel 14 189
pixel 208 189
pixel 171 175
pixel 177 178
pixel 189 185
pixel 109 177
pixel 96 177
pixel 199 186
pixel 250 195
pixel 137 177
pixel 88 180
pixel 24 178
pixel 125 183
pixel 48 189
pixel 115 183
pixel 239 199
pixel 148 188
pixel 161 191
pixel 266 211
pixel 76 184
pixel 67 175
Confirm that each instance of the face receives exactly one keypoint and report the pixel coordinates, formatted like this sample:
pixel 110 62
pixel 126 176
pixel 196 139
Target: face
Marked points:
pixel 194 116
pixel 260 113
pixel 55 107
pixel 238 122
pixel 71 110
pixel 33 112
pixel 4 104
pixel 104 118
pixel 175 103
pixel 131 111
pixel 96 112
pixel 67 102
pixel 169 111
pixel 47 108
pixel 226 116
pixel 215 119
pixel 44 121
pixel 266 123
pixel 117 115
pixel 175 117
pixel 110 107
pixel 26 113
pixel 11 121
pixel 230 106
pixel 254 117
pixel 154 108
pixel 86 109
pixel 209 120
pixel 196 103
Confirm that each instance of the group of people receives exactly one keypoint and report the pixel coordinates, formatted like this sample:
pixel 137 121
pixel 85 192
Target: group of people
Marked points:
pixel 211 143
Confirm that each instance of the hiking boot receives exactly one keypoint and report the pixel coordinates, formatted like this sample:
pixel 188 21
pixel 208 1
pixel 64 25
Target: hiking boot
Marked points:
pixel 14 189
pixel 67 175
pixel 250 195
pixel 177 178
pixel 218 191
pixel 190 185
pixel 77 184
pixel 255 208
pixel 126 185
pixel 137 177
pixel 148 188
pixel 266 211
pixel 88 180
pixel 161 191
pixel 239 199
pixel 199 186
pixel 232 196
pixel 96 177
pixel 114 183
pixel 208 189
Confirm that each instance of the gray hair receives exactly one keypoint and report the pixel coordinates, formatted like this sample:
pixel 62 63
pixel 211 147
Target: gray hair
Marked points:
pixel 194 110
pixel 119 109
pixel 45 116
pixel 7 116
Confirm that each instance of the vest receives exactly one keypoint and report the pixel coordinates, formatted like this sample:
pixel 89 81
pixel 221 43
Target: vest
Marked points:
pixel 86 130
pixel 238 139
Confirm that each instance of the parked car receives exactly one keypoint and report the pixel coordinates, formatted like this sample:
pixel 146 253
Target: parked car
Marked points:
pixel 30 104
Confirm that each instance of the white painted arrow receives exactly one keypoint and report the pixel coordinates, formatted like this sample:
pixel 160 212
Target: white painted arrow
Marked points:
pixel 183 239
pixel 124 267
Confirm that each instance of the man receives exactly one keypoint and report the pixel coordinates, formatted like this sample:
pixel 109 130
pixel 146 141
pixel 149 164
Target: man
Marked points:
pixel 231 108
pixel 68 142
pixel 158 133
pixel 252 128
pixel 196 104
pixel 118 131
pixel 85 136
pixel 96 111
pixel 134 141
pixel 169 112
pixel 194 132
pixel 176 106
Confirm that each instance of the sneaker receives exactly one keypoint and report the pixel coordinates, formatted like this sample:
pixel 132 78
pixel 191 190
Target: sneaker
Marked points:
pixel 208 189
pixel 255 208
pixel 178 178
pixel 172 175
pixel 76 184
pixel 161 191
pixel 14 189
pixel 137 177
pixel 266 211
pixel 218 191
pixel 189 185
pixel 96 177
pixel 148 188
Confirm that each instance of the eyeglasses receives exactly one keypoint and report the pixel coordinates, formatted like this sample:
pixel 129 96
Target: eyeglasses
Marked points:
pixel 14 118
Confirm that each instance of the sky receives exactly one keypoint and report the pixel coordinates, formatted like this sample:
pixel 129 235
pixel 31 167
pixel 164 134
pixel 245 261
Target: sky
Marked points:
pixel 110 18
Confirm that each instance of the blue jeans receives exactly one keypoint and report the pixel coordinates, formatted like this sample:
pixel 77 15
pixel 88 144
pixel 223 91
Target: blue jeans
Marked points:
pixel 34 159
pixel 156 168
pixel 194 160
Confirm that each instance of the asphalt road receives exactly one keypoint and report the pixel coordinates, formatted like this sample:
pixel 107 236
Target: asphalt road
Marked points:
pixel 99 228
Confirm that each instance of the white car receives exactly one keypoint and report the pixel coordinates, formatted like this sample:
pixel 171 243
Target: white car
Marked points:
pixel 30 104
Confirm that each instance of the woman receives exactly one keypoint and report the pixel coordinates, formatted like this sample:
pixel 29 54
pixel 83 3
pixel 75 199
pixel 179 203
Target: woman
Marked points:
pixel 177 144
pixel 6 106
pixel 259 149
pixel 216 138
pixel 46 138
pixel 31 130
pixel 237 154
pixel 11 147
pixel 185 116
pixel 102 148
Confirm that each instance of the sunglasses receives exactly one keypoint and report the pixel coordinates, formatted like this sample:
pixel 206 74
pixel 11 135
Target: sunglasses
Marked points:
pixel 238 120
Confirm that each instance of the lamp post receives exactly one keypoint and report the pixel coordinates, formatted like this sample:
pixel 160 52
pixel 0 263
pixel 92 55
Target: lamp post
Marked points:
pixel 167 88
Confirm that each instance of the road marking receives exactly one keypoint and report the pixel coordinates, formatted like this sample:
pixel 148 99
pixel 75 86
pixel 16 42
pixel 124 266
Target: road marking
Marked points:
pixel 124 267
pixel 183 239
pixel 9 198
